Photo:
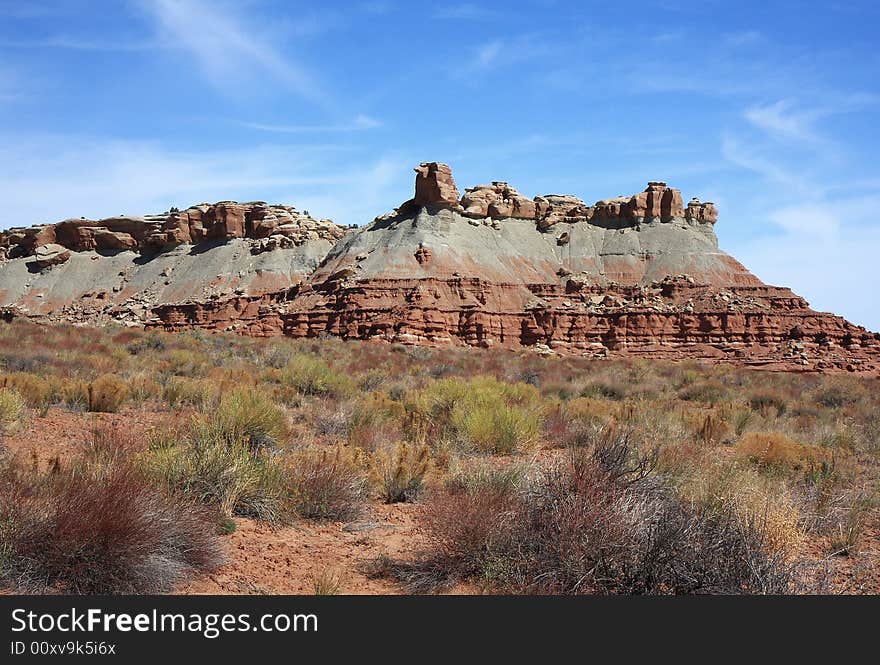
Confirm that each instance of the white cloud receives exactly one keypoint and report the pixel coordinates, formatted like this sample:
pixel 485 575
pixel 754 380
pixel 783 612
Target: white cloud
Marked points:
pixel 360 122
pixel 231 50
pixel 51 177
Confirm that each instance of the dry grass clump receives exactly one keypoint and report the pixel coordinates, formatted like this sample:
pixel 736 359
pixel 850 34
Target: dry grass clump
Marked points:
pixel 107 393
pixel 777 451
pixel 12 406
pixel 709 392
pixel 767 401
pixel 249 416
pixel 399 471
pixel 375 421
pixel 98 525
pixel 326 483
pixel 731 486
pixel 228 476
pixel 143 387
pixel 74 394
pixel 181 391
pixel 35 390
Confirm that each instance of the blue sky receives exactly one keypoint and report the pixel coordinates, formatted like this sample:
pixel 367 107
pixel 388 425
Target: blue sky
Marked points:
pixel 770 109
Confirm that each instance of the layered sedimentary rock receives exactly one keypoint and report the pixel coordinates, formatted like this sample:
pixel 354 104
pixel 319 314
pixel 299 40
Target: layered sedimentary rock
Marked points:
pixel 225 220
pixel 119 268
pixel 640 275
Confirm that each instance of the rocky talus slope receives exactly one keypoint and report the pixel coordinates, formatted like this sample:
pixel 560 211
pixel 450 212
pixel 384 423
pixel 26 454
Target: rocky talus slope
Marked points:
pixel 639 275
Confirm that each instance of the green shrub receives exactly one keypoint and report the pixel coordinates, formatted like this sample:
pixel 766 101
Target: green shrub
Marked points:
pixel 312 376
pixel 247 415
pixel 228 475
pixel 480 414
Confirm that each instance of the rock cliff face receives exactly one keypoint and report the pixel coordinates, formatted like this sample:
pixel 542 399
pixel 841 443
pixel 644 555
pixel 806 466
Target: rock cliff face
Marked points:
pixel 92 271
pixel 638 276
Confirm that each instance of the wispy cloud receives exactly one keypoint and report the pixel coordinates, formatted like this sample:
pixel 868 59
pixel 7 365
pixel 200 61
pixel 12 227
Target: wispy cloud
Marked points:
pixel 487 54
pixel 230 49
pixel 783 122
pixel 360 122
pixel 746 156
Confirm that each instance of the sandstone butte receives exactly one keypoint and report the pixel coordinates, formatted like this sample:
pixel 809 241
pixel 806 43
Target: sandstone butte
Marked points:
pixel 636 276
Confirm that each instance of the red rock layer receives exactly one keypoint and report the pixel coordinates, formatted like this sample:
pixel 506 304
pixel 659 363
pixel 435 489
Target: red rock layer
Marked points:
pixel 674 319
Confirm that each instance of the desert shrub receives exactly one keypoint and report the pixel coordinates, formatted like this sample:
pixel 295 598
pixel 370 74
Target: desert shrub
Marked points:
pixel 714 429
pixel 767 400
pixel 183 391
pixel 12 407
pixel 835 396
pixel 89 528
pixel 496 427
pixel 605 390
pixel 737 488
pixel 74 394
pixel 399 471
pixel 330 418
pixel 246 415
pixel 374 421
pixel 708 392
pixel 312 376
pixel 590 411
pixel 326 484
pixel 480 414
pixel 35 390
pixel 185 363
pixel 277 355
pixel 107 393
pixel 142 387
pixel 24 363
pixel 151 342
pixel 777 451
pixel 228 475
pixel 601 522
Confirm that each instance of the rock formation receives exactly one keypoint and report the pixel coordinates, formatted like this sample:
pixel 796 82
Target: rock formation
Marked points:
pixel 638 275
pixel 119 268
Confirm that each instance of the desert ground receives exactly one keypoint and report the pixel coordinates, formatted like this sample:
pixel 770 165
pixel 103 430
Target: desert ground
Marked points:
pixel 141 462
